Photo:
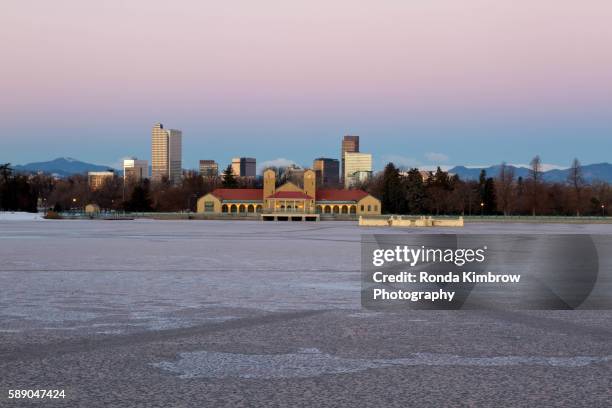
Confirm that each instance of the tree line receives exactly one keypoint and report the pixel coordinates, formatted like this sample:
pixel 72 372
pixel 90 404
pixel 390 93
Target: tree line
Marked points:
pixel 23 192
pixel 401 192
pixel 440 193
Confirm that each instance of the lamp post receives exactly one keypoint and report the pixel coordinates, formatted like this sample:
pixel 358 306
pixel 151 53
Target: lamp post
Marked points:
pixel 481 208
pixel 603 210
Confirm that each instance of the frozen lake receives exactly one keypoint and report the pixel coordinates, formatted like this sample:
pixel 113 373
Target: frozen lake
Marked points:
pixel 118 275
pixel 85 304
pixel 115 276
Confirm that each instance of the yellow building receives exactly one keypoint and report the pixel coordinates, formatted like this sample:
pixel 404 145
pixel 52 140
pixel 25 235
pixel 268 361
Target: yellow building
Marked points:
pixel 92 209
pixel 288 199
pixel 97 179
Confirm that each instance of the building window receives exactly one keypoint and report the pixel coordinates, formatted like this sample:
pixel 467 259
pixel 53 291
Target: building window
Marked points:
pixel 369 208
pixel 209 206
pixel 375 208
pixel 362 207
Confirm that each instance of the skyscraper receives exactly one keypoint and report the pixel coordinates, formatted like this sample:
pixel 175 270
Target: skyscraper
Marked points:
pixel 236 166
pixel 358 167
pixel 244 166
pixel 135 170
pixel 350 144
pixel 166 154
pixel 327 171
pixel 209 168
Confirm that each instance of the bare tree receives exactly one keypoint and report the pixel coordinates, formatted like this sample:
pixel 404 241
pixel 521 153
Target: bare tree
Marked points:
pixel 576 182
pixel 602 195
pixel 535 177
pixel 505 188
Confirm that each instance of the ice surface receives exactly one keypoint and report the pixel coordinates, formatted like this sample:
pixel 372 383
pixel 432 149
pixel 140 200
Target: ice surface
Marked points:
pixel 219 313
pixel 152 275
pixel 312 362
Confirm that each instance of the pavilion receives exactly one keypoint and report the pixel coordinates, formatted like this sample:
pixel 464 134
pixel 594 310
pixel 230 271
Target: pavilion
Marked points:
pixel 288 200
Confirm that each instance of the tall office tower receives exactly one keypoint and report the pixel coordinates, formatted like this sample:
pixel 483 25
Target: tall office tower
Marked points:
pixel 350 144
pixel 327 171
pixel 236 166
pixel 358 167
pixel 159 153
pixel 248 166
pixel 175 155
pixel 209 168
pixel 166 154
pixel 244 166
pixel 135 170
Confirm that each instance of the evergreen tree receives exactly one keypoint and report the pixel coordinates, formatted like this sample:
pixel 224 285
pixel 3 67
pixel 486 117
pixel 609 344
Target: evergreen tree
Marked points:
pixel 415 192
pixel 16 192
pixel 488 199
pixel 441 179
pixel 5 172
pixel 439 192
pixel 393 200
pixel 5 175
pixel 229 180
pixel 482 179
pixel 140 200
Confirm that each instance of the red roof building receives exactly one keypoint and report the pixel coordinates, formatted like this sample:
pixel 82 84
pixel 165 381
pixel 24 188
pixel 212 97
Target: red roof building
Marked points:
pixel 239 194
pixel 336 194
pixel 289 198
pixel 291 195
pixel 256 194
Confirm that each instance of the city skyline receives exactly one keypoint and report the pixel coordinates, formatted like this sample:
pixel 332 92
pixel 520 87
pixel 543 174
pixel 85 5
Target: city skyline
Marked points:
pixel 429 83
pixel 428 161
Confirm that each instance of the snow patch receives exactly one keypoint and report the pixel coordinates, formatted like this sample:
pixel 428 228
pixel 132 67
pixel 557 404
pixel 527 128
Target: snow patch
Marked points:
pixel 20 216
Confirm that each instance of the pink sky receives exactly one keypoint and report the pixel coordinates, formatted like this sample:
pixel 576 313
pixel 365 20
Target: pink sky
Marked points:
pixel 271 68
pixel 449 55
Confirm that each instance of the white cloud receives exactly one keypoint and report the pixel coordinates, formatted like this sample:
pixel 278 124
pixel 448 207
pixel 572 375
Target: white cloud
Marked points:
pixel 279 162
pixel 436 157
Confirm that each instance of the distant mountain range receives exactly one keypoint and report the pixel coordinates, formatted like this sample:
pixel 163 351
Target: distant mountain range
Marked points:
pixel 62 167
pixel 590 172
pixel 66 166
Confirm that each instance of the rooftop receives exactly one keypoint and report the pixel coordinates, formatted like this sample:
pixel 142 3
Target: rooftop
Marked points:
pixel 337 194
pixel 292 195
pixel 256 194
pixel 251 194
